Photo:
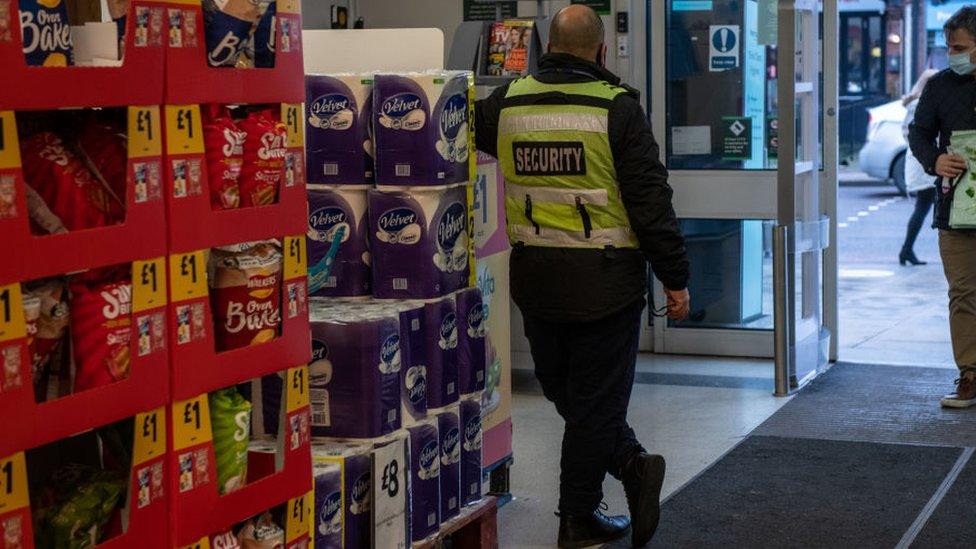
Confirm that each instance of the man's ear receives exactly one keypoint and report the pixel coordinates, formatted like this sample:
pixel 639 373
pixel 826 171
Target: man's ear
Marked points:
pixel 601 56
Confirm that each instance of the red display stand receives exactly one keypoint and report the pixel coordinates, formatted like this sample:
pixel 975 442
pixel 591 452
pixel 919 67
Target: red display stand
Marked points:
pixel 196 366
pixel 145 516
pixel 190 79
pixel 141 235
pixel 29 424
pixel 139 81
pixel 193 223
pixel 199 510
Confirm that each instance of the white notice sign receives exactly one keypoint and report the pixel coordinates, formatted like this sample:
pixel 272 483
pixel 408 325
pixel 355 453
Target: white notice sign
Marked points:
pixel 723 47
pixel 391 469
pixel 691 140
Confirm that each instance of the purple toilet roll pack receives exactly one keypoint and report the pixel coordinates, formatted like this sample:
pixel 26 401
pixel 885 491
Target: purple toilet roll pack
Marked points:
pixel 327 481
pixel 354 376
pixel 354 462
pixel 448 426
pixel 338 133
pixel 441 327
pixel 471 340
pixel 471 434
pixel 425 479
pixel 413 359
pixel 419 242
pixel 331 210
pixel 421 128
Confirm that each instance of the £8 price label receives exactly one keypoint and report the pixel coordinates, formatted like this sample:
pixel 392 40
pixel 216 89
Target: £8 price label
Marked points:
pixel 295 260
pixel 150 433
pixel 13 483
pixel 12 324
pixel 184 131
pixel 191 422
pixel 145 137
pixel 187 274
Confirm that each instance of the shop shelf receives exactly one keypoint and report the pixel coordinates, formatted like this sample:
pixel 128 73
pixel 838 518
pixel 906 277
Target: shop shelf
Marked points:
pixel 198 510
pixel 138 81
pixel 190 79
pixel 141 235
pixel 193 223
pixel 146 512
pixel 30 424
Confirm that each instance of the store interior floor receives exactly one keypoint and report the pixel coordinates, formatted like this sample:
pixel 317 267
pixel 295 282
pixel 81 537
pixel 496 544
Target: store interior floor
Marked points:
pixel 692 410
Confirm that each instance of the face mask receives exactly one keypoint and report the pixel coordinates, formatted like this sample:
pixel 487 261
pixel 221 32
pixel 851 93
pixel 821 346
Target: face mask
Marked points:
pixel 961 64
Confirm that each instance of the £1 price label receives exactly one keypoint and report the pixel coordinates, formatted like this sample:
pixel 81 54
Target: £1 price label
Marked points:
pixel 299 518
pixel 187 274
pixel 12 323
pixel 296 262
pixel 184 130
pixel 291 115
pixel 191 422
pixel 148 284
pixel 13 483
pixel 9 146
pixel 145 135
pixel 150 436
pixel 204 543
pixel 297 395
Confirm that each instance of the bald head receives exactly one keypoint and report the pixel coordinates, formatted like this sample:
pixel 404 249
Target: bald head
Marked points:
pixel 577 30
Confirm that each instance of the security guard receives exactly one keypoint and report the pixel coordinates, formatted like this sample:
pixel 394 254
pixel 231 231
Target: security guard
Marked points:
pixel 588 203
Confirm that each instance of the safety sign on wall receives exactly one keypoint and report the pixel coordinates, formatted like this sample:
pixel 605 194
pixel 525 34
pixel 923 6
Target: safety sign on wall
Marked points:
pixel 723 47
pixel 736 138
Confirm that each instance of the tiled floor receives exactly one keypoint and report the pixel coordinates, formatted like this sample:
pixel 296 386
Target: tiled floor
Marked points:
pixel 691 425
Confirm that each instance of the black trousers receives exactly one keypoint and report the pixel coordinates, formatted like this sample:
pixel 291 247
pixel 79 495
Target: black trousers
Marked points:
pixel 924 200
pixel 587 370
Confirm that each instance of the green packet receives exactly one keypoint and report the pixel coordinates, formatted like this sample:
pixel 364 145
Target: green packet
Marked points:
pixel 962 215
pixel 230 415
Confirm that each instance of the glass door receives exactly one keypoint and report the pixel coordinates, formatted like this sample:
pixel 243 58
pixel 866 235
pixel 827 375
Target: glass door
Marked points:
pixel 713 75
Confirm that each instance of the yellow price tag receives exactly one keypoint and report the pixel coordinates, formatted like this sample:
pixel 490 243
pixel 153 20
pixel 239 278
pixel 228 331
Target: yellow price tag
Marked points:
pixel 9 146
pixel 204 543
pixel 188 276
pixel 148 284
pixel 297 393
pixel 296 265
pixel 12 324
pixel 184 130
pixel 145 137
pixel 289 6
pixel 291 115
pixel 299 518
pixel 13 483
pixel 191 422
pixel 150 436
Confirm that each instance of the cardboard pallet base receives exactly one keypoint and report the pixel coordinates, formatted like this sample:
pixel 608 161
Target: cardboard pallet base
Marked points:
pixel 475 527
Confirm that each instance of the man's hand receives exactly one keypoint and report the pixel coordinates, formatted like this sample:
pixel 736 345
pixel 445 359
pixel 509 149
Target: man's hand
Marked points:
pixel 950 166
pixel 679 303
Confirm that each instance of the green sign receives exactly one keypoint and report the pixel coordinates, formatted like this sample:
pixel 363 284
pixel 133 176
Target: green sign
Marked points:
pixel 736 138
pixel 485 11
pixel 772 137
pixel 600 6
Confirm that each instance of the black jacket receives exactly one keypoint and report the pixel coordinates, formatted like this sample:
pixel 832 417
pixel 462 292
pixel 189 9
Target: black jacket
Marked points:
pixel 948 104
pixel 563 284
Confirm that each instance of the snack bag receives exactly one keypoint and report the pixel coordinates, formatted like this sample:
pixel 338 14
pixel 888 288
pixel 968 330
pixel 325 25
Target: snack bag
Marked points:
pixel 46 309
pixel 230 415
pixel 45 33
pixel 262 533
pixel 104 147
pixel 246 296
pixel 225 155
pixel 66 185
pixel 80 511
pixel 263 45
pixel 227 25
pixel 264 157
pixel 42 219
pixel 101 319
pixel 224 540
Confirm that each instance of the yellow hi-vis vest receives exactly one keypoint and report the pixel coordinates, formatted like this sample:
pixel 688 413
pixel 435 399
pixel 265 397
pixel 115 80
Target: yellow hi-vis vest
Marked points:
pixel 560 181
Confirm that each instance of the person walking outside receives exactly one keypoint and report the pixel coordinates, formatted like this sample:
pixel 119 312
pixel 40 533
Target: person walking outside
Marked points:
pixel 588 204
pixel 916 180
pixel 946 105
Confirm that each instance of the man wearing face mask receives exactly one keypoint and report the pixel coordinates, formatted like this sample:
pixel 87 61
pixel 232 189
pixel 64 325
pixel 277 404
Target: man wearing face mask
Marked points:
pixel 947 105
pixel 587 205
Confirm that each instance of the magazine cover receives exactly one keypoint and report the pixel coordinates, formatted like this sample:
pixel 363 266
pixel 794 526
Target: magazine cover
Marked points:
pixel 508 48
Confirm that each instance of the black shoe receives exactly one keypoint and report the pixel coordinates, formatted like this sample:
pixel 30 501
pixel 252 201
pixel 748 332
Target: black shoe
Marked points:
pixel 908 257
pixel 593 529
pixel 642 484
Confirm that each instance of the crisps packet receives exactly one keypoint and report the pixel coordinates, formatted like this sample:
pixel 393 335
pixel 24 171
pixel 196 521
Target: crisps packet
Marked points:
pixel 262 533
pixel 228 25
pixel 230 416
pixel 46 308
pixel 101 319
pixel 225 156
pixel 45 33
pixel 104 148
pixel 246 293
pixel 264 157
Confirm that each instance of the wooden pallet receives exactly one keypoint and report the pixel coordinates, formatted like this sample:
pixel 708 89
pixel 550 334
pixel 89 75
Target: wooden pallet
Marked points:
pixel 475 528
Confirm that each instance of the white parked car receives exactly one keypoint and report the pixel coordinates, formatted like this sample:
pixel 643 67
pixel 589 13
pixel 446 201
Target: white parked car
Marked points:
pixel 883 154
